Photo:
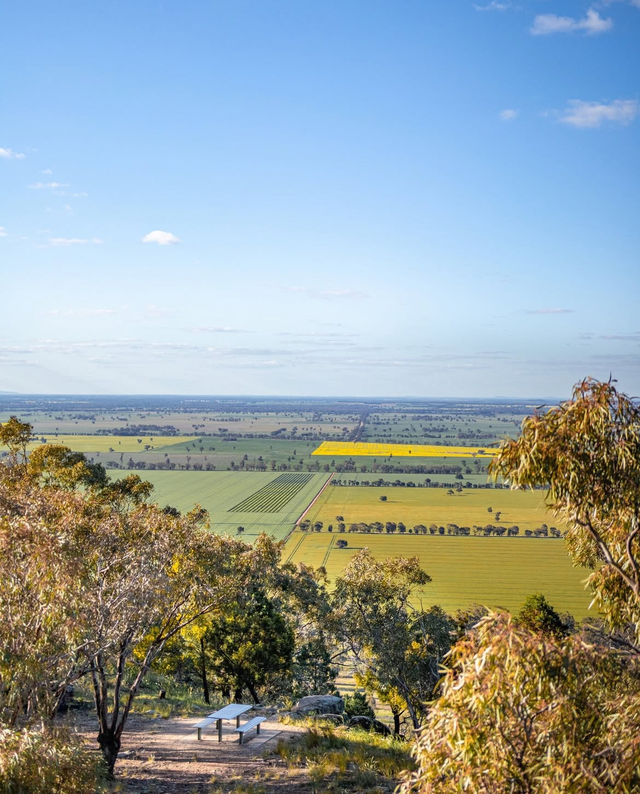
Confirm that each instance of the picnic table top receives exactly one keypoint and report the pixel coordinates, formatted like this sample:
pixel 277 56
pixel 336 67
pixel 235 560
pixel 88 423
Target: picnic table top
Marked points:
pixel 230 711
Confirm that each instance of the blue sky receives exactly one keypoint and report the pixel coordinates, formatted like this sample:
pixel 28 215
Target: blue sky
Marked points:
pixel 319 197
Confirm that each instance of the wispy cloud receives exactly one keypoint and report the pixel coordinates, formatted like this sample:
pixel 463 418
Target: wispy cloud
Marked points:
pixel 633 336
pixel 82 312
pixel 57 242
pixel 593 114
pixel 9 154
pixel 591 24
pixel 494 5
pixel 3 231
pixel 158 312
pixel 218 329
pixel 550 311
pixel 328 294
pixel 508 114
pixel 48 185
pixel 160 238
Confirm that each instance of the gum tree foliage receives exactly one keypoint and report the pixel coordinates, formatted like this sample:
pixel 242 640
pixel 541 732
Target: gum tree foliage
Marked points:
pixel 96 582
pixel 586 451
pixel 397 644
pixel 522 712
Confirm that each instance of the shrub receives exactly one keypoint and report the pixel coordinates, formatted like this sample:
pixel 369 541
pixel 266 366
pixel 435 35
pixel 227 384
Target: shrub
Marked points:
pixel 39 762
pixel 357 705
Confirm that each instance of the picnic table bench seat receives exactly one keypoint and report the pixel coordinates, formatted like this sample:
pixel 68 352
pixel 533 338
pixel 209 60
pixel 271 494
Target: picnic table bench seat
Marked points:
pixel 253 723
pixel 233 710
pixel 203 724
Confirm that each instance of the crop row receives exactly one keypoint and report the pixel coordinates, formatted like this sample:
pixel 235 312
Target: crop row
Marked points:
pixel 275 495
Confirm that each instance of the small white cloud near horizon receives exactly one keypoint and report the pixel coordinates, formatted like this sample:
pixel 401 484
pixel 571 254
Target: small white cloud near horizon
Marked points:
pixel 57 242
pixel 3 232
pixel 160 238
pixel 579 113
pixel 9 154
pixel 508 114
pixel 591 24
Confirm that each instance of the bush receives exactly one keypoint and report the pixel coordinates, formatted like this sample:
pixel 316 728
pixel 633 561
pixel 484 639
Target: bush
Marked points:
pixel 357 705
pixel 37 762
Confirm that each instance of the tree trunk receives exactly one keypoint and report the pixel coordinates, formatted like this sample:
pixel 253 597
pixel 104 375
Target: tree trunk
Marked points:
pixel 237 694
pixel 203 672
pixel 396 723
pixel 110 745
pixel 253 692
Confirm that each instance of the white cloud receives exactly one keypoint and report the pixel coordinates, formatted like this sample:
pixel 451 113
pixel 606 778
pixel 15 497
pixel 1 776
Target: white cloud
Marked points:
pixel 508 114
pixel 9 154
pixel 3 231
pixel 592 114
pixel 67 241
pixel 494 5
pixel 161 238
pixel 47 185
pixel 47 172
pixel 591 24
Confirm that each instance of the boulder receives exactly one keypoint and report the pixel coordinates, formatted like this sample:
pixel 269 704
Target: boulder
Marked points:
pixel 319 704
pixel 367 724
pixel 332 719
pixel 360 721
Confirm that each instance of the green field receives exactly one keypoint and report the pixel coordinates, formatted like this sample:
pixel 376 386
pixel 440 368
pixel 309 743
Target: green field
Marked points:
pixel 496 572
pixel 222 492
pixel 412 506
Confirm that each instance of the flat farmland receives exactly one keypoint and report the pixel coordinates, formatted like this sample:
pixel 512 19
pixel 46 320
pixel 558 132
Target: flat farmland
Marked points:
pixel 495 572
pixel 412 506
pixel 223 492
pixel 88 443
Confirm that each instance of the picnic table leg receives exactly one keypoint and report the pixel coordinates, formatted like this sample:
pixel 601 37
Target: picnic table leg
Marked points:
pixel 238 721
pixel 199 734
pixel 219 730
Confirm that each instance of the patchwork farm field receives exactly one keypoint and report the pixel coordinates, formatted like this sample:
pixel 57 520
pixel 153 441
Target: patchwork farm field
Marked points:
pixel 360 448
pixel 495 572
pixel 412 506
pixel 253 500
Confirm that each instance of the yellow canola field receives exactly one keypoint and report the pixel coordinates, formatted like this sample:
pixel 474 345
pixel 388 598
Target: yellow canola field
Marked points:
pixel 401 450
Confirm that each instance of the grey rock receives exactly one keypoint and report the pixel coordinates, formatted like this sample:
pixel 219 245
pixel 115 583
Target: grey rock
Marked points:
pixel 320 704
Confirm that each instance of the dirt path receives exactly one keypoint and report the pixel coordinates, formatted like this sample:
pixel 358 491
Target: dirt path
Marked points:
pixel 165 757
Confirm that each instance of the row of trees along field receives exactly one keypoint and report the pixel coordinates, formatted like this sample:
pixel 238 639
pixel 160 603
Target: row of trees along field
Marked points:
pixel 391 527
pixel 98 585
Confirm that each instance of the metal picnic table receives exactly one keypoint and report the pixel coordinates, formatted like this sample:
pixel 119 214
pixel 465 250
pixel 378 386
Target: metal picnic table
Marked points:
pixel 228 713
